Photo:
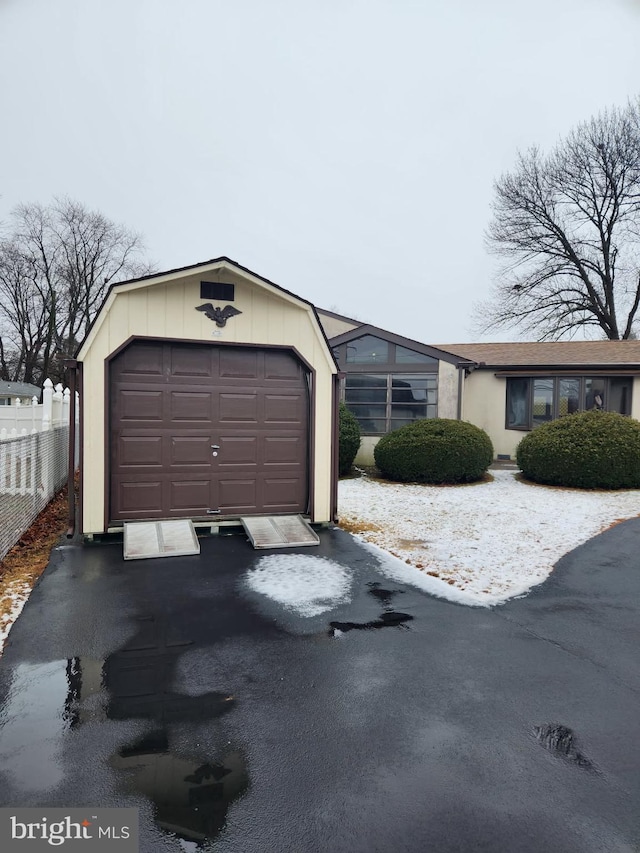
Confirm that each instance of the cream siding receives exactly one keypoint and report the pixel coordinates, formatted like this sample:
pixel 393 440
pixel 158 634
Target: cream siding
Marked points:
pixel 485 406
pixel 334 327
pixel 166 309
pixel 635 398
pixel 447 390
pixel 365 452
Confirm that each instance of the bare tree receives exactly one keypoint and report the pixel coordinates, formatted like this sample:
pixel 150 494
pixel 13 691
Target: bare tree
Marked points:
pixel 55 267
pixel 568 228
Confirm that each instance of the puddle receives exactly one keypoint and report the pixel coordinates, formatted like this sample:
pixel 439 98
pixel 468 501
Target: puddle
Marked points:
pixel 384 596
pixel 560 740
pixel 33 721
pixel 190 797
pixel 387 620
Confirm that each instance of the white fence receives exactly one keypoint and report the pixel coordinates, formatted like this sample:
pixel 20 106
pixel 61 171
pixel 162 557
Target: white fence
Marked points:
pixel 20 419
pixel 34 452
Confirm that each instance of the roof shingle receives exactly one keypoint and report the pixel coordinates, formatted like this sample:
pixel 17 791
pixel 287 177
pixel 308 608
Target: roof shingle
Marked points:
pixel 561 353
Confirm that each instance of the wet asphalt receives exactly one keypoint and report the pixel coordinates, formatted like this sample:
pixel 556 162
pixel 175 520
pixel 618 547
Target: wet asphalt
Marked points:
pixel 236 725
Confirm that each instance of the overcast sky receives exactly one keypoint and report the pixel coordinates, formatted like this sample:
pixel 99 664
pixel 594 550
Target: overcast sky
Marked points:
pixel 345 149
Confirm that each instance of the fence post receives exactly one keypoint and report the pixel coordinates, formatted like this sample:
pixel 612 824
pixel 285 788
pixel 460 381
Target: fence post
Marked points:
pixel 3 460
pixel 66 400
pixel 56 418
pixel 47 405
pixel 13 462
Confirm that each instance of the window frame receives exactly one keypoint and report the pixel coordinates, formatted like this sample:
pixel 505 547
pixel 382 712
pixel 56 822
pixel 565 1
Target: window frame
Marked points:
pixel 389 402
pixel 556 379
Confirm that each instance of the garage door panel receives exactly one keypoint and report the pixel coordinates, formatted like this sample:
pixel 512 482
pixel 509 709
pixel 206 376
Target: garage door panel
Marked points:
pixel 238 363
pixel 190 361
pixel 282 451
pixel 140 497
pixel 140 362
pixel 193 406
pixel 137 405
pixel 237 450
pixel 190 496
pixel 190 450
pixel 284 408
pixel 135 451
pixel 281 365
pixel 281 494
pixel 236 495
pixel 238 408
pixel 251 402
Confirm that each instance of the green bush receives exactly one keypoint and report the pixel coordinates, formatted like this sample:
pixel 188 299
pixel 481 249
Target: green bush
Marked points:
pixel 587 450
pixel 436 450
pixel 349 439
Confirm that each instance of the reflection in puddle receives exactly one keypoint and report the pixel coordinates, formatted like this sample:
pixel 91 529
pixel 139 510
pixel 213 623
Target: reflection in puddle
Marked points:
pixel 33 720
pixel 384 596
pixel 190 797
pixel 387 620
pixel 560 740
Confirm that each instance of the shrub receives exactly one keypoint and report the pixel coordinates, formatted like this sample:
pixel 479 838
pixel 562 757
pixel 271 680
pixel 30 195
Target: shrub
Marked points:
pixel 349 443
pixel 587 450
pixel 436 450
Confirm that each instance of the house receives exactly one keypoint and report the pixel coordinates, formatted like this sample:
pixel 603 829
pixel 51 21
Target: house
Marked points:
pixel 12 391
pixel 506 388
pixel 207 392
pixel 513 387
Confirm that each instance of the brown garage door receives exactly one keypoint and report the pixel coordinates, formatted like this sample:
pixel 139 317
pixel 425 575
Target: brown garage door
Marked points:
pixel 201 429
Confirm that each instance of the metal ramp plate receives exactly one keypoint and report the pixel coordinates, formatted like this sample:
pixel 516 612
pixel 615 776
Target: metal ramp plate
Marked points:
pixel 145 539
pixel 279 531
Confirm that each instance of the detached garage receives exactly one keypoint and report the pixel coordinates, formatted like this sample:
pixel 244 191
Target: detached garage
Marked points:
pixel 207 393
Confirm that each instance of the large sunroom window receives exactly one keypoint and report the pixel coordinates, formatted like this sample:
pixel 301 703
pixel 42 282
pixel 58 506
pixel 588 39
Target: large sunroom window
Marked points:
pixel 532 401
pixel 383 402
pixel 387 384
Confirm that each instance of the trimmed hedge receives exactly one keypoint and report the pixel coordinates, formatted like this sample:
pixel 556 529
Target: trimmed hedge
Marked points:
pixel 436 450
pixel 349 444
pixel 586 450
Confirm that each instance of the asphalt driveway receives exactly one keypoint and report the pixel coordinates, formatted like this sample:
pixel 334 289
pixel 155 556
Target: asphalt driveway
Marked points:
pixel 236 724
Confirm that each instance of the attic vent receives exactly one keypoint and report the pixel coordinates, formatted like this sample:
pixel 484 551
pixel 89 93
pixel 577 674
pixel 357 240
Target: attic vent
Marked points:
pixel 217 290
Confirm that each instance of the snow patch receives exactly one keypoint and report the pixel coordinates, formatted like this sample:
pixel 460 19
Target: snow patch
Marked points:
pixel 477 544
pixel 17 595
pixel 308 585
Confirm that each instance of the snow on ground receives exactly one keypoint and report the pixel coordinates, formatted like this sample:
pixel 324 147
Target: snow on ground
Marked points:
pixel 16 596
pixel 481 543
pixel 308 585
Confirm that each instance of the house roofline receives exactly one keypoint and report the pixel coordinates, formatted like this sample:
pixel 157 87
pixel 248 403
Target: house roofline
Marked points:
pixel 340 317
pixel 548 368
pixel 409 343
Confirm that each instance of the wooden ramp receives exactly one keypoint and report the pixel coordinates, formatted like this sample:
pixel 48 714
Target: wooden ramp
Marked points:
pixel 279 531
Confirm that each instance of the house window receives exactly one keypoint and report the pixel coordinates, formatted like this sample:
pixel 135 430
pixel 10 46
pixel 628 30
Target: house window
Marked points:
pixel 409 356
pixel 383 402
pixel 368 350
pixel 5 401
pixel 532 401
